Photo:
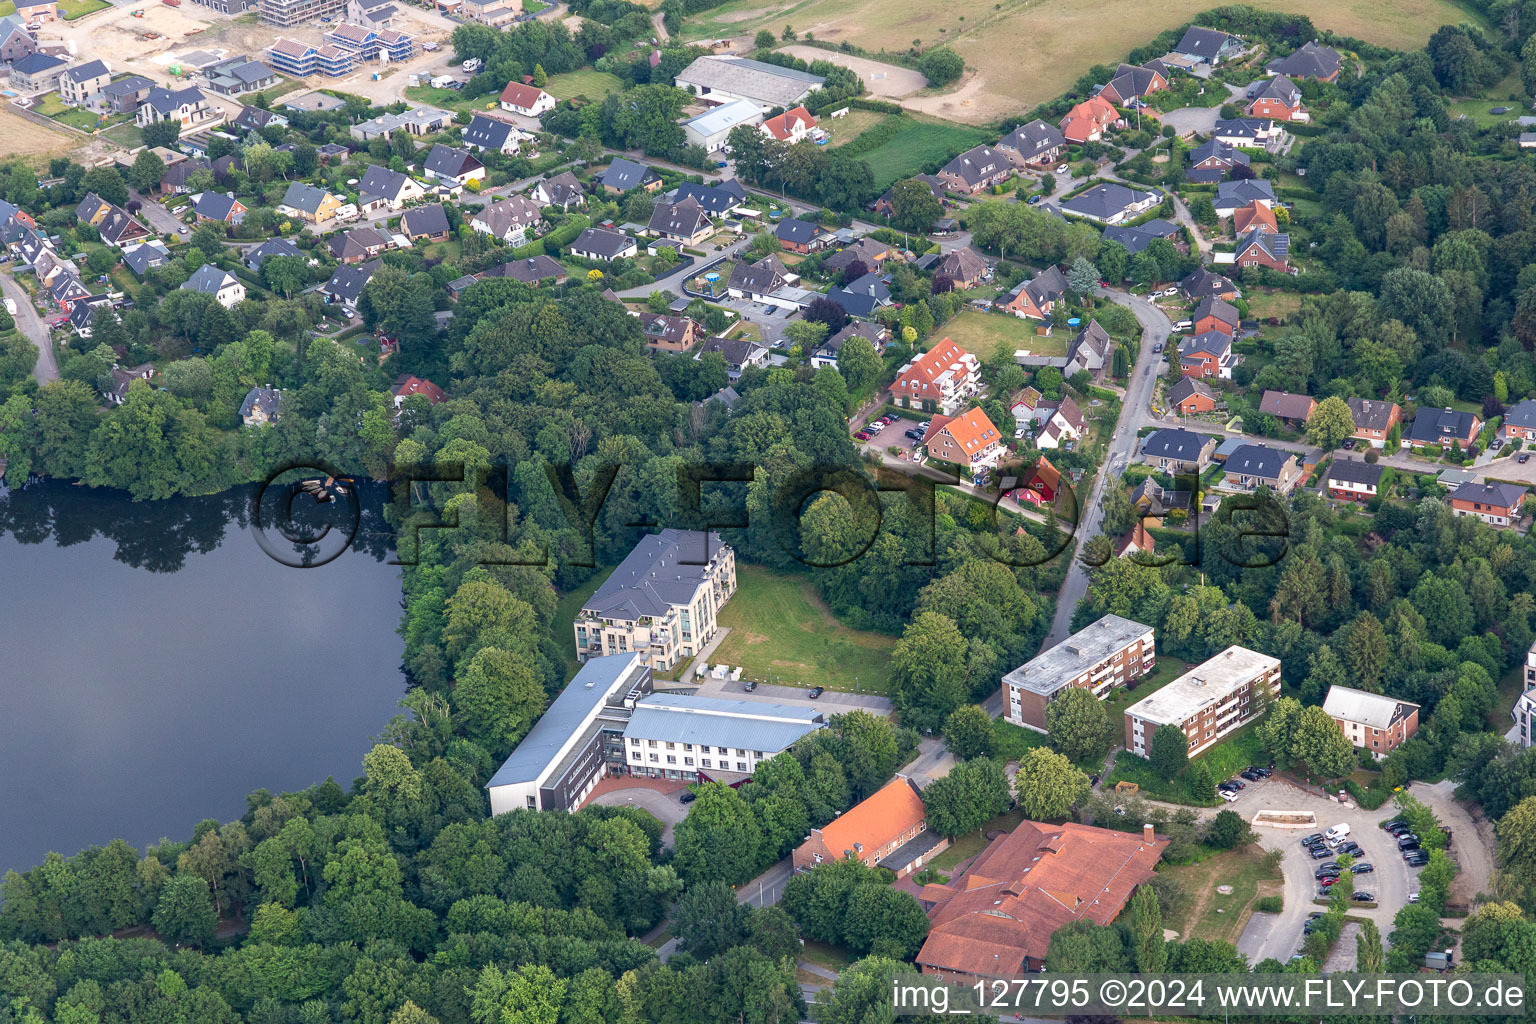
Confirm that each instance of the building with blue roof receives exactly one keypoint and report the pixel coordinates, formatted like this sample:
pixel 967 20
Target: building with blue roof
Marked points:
pixel 711 738
pixel 712 128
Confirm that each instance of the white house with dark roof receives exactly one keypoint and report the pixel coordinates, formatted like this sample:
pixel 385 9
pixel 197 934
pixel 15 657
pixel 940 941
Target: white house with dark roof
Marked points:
pixel 384 189
pixel 221 284
pixel 1354 479
pixel 1111 203
pixel 976 169
pixel 510 219
pixel 261 407
pixel 603 245
pixel 78 84
pixel 490 133
pixel 1207 45
pixel 456 165
pixel 189 106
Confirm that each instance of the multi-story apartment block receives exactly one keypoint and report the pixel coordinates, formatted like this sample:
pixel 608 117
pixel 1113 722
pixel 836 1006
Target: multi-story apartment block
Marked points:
pixel 940 380
pixel 1207 702
pixel 296 12
pixel 1098 658
pixel 672 736
pixel 662 602
pixel 1372 721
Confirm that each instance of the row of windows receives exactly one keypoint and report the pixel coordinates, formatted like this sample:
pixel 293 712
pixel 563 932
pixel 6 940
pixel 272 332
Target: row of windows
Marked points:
pixel 634 741
pixel 704 762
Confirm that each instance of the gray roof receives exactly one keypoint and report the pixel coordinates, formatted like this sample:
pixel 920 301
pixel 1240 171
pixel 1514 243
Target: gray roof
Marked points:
pixel 36 63
pixel 380 181
pixel 1373 709
pixel 625 174
pixel 766 83
pixel 1356 471
pixel 87 71
pixel 1135 239
pixel 269 400
pixel 208 279
pixel 347 283
pixel 1232 194
pixel 146 256
pixel 424 220
pixel 486 132
pixel 1175 443
pixel 1203 686
pixel 1282 89
pixel 1434 424
pixel 1373 414
pixel 123 87
pixel 1032 139
pixel 1277 246
pixel 1242 127
pixel 1055 667
pixel 977 164
pixel 529 271
pixel 1490 493
pixel 1257 460
pixel 720 722
pixel 166 101
pixel 1213 342
pixel 1131 80
pixel 684 218
pixel 1204 283
pixel 598 679
pixel 758 278
pixel 1201 42
pixel 793 229
pixel 713 199
pixel 1221 309
pixel 449 162
pixel 657 573
pixel 303 196
pixel 1521 414
pixel 271 247
pixel 216 205
pixel 1219 150
pixel 1311 61
pixel 1104 201
pixel 602 241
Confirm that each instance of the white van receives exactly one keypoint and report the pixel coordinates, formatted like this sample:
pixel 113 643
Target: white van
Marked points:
pixel 1336 835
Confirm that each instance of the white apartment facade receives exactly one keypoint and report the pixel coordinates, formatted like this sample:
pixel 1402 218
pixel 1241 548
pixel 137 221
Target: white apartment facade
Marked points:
pixel 673 736
pixel 1208 702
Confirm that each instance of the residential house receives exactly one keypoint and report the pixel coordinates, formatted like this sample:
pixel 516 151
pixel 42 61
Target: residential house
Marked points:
pixel 760 281
pixel 1372 721
pixel 1256 216
pixel 1213 160
pixel 964 267
pixel 384 189
pixel 221 284
pixel 885 206
pixel 1208 702
pixel 1233 195
pixel 1090 350
pixel 683 222
pixel 864 297
pixel 218 207
pixel 1497 504
pixel 527 100
pixel 1028 407
pixel 1443 427
pixel 1207 284
pixel 37 11
pixel 1063 422
pixel 311 204
pixel 533 271
pixel 1036 144
pixel 488 133
pixel 1039 485
pixel 1278 99
pixel 712 129
pixel 1258 132
pixel 1178 451
pixel 1137 238
pixel 1310 61
pixel 625 175
pixel 1354 479
pixel 603 246
pixel 37 72
pixel 995 919
pixel 122 380
pixel 417 121
pixel 346 285
pixel 407 385
pixel 15 40
pixel 428 222
pixel 189 106
pixel 79 83
pixel 976 169
pixel 1138 541
pixel 1111 203
pixel 798 235
pixel 1375 420
pixel 112 223
pixel 940 380
pixel 1153 501
pixel 866 250
pixel 1192 397
pixel 1207 45
pixel 494 13
pixel 668 333
pixel 562 190
pixel 1290 409
pixel 1034 299
pixel 1086 121
pixel 511 219
pixel 717 200
pixel 829 351
pixel 791 126
pixel 146 256
pixel 83 313
pixel 124 95
pixel 261 407
pixel 1131 84
pixel 889 828
pixel 272 247
pixel 968 440
pixel 739 354
pixel 359 244
pixel 1216 315
pixel 1519 421
pixel 444 163
pixel 238 75
pixel 175 180
pixel 1207 354
pixel 720 79
pixel 1257 465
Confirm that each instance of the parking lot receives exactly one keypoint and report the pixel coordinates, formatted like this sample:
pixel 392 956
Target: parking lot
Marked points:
pixel 892 435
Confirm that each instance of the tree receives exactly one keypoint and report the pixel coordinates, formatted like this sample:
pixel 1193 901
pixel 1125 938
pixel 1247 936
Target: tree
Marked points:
pixel 885 921
pixel 1083 277
pixel 941 65
pixel 497 696
pixel 1170 751
pixel 914 207
pixel 827 311
pixel 969 731
pixel 146 172
pixel 1330 423
pixel 184 913
pixel 540 79
pixel 858 363
pixel 1277 729
pixel 719 840
pixel 764 40
pixel 1369 957
pixel 1077 724
pixel 929 668
pixel 973 793
pixel 286 275
pixel 1227 830
pixel 1083 947
pixel 1047 785
pixel 1202 784
pixel 1144 930
pixel 1320 745
pixel 106 183
pixel 161 134
pixel 710 920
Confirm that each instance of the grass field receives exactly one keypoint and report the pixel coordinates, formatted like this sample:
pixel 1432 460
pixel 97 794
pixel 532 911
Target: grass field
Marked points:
pixel 1025 52
pixel 1262 305
pixel 69 10
pixel 1209 914
pixel 926 141
pixel 594 85
pixel 782 631
pixel 448 99
pixel 968 846
pixel 76 117
pixel 1225 759
pixel 28 139
pixel 851 125
pixel 7 7
pixel 999 335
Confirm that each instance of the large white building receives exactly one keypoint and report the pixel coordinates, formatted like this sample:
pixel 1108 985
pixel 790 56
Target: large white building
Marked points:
pixel 1109 653
pixel 576 743
pixel 662 602
pixel 721 79
pixel 712 129
pixel 1207 702
pixel 709 738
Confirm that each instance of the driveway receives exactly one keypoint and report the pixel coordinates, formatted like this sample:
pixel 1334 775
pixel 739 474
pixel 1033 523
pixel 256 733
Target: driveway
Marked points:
pixel 1471 840
pixel 832 701
pixel 1279 935
pixel 667 807
pixel 887 80
pixel 1193 120
pixel 162 220
pixel 30 324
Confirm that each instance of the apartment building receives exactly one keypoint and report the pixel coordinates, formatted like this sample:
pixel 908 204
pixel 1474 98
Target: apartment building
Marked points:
pixel 1372 721
pixel 663 600
pixel 1110 653
pixel 704 739
pixel 287 13
pixel 939 380
pixel 1207 702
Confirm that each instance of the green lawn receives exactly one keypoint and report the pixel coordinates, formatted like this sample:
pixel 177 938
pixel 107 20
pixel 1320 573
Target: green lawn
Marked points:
pixel 49 105
pixel 7 7
pixel 999 335
pixel 970 845
pixel 594 85
pixel 924 142
pixel 782 631
pixel 127 135
pixel 69 10
pixel 1225 759
pixel 448 99
pixel 1209 914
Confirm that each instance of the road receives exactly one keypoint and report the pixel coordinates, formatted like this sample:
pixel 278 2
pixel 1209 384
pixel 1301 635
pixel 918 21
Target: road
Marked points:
pixel 162 220
pixel 30 324
pixel 1134 414
pixel 766 888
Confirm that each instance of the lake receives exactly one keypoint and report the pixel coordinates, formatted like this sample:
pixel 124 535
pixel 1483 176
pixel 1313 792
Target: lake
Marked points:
pixel 157 665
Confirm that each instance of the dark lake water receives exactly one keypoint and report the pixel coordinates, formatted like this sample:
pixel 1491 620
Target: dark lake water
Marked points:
pixel 156 665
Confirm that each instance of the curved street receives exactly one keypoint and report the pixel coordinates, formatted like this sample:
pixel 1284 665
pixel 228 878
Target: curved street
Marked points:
pixel 30 324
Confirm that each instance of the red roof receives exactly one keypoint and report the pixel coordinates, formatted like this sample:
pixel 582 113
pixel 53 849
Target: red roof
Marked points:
pixel 877 820
pixel 408 385
pixel 520 95
pixel 782 127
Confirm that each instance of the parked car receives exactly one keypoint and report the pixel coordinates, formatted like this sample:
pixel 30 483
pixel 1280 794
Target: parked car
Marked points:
pixel 1408 841
pixel 1523 458
pixel 1413 897
pixel 1319 852
pixel 1315 839
pixel 1184 325
pixel 1416 858
pixel 1364 897
pixel 1332 865
pixel 1250 775
pixel 1228 795
pixel 1327 880
pixel 1365 867
pixel 1032 200
pixel 1395 825
pixel 749 685
pixel 1157 347
pixel 10 306
pixel 1261 771
pixel 1063 169
pixel 1352 848
pixel 1326 873
pixel 817 691
pixel 689 796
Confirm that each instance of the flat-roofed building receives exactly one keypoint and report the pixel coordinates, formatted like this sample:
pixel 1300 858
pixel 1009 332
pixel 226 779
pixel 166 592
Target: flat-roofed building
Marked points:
pixel 1110 653
pixel 711 739
pixel 1207 702
pixel 1372 721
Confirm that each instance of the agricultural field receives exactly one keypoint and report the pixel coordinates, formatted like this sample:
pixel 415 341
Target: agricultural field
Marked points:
pixel 594 85
pixel 924 141
pixel 782 631
pixel 29 139
pixel 999 335
pixel 1025 52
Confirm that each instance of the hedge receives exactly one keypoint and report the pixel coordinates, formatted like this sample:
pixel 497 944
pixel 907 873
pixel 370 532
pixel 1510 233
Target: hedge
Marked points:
pixel 858 103
pixel 556 240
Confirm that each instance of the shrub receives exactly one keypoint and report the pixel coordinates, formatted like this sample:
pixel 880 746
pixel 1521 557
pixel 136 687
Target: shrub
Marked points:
pixel 1268 904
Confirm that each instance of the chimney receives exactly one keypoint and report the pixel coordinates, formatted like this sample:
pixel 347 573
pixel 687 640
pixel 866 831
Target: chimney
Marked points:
pixel 1147 835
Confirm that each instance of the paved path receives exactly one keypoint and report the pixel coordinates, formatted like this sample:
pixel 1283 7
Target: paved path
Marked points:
pixel 162 220
pixel 1471 839
pixel 766 888
pixel 30 324
pixel 667 808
